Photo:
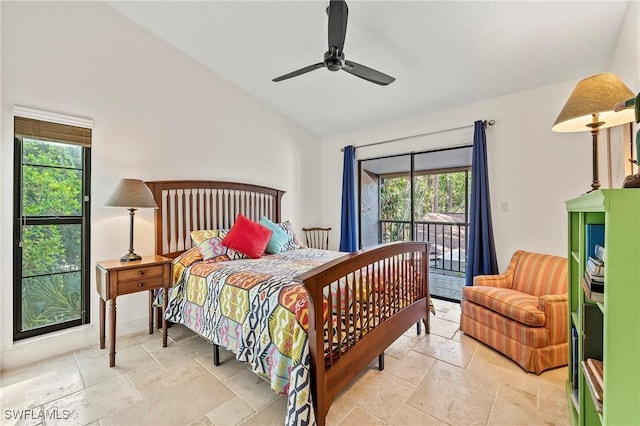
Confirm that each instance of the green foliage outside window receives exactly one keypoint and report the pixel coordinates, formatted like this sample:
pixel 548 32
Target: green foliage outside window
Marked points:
pixel 443 193
pixel 51 253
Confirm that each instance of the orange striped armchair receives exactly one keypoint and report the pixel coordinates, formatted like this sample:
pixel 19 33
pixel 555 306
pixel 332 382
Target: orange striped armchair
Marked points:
pixel 522 312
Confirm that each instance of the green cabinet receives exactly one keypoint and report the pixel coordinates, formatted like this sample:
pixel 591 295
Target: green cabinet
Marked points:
pixel 609 330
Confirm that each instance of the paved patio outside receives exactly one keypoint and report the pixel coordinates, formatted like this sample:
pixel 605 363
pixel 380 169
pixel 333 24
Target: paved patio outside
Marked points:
pixel 445 286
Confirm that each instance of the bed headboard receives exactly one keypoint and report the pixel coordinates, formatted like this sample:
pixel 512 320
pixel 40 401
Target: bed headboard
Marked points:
pixel 188 205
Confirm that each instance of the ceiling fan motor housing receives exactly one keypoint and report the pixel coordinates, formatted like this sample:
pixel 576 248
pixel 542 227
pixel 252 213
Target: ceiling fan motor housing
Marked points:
pixel 334 59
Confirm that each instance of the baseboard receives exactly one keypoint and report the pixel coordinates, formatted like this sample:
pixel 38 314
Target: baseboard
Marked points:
pixel 38 348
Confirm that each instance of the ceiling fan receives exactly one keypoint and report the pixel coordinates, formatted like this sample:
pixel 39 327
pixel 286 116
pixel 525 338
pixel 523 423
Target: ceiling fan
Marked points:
pixel 334 58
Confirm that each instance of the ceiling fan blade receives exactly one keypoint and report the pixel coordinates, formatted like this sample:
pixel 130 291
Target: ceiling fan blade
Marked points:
pixel 367 73
pixel 338 13
pixel 299 72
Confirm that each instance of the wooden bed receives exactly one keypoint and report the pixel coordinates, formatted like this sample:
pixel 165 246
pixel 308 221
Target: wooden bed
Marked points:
pixel 400 299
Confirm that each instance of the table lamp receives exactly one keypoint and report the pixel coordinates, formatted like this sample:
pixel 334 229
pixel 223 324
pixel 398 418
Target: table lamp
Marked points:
pixel 590 107
pixel 132 194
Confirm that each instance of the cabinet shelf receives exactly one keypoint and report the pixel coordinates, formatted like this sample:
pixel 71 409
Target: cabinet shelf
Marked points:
pixel 604 328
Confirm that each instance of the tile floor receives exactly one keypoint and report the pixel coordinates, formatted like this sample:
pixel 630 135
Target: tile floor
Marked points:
pixel 444 378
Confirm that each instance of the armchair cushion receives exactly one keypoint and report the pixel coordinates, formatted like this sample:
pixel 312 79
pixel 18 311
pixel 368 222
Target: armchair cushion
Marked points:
pixel 513 304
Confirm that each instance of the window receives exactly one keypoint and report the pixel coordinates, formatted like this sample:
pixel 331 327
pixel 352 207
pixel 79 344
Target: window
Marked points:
pixel 51 226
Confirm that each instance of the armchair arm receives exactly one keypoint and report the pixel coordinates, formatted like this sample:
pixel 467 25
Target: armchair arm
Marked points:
pixel 504 280
pixel 556 314
pixel 500 280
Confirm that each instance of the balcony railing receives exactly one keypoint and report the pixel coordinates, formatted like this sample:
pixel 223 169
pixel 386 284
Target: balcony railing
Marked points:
pixel 449 241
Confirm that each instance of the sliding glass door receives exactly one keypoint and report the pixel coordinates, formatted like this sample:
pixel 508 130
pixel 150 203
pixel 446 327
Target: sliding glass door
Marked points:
pixel 420 197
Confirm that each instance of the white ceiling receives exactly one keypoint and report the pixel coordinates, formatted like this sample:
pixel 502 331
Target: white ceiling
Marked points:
pixel 442 53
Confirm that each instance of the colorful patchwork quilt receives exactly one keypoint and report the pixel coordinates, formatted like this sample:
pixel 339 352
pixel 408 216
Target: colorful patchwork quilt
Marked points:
pixel 253 308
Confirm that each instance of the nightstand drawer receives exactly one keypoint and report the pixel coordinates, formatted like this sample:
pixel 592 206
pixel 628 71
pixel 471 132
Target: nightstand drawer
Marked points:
pixel 140 273
pixel 125 287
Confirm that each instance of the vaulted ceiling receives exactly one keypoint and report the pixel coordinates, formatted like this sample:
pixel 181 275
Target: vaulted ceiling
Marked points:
pixel 442 53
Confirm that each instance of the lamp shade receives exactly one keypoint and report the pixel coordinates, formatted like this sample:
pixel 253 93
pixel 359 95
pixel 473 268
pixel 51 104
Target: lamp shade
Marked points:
pixel 594 95
pixel 131 193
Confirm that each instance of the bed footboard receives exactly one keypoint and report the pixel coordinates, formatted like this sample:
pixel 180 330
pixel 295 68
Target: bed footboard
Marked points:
pixel 359 305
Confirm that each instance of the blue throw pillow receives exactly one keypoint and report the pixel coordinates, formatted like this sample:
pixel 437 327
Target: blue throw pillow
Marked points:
pixel 279 238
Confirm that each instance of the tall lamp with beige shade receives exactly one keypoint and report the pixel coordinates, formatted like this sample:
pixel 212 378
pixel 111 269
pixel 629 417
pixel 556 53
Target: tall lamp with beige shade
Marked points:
pixel 590 107
pixel 132 194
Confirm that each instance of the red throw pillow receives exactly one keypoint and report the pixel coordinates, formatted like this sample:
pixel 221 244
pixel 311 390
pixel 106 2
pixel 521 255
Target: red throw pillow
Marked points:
pixel 248 237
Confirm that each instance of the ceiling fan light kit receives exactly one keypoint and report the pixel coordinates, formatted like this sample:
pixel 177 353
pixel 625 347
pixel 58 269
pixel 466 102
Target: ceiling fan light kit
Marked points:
pixel 334 59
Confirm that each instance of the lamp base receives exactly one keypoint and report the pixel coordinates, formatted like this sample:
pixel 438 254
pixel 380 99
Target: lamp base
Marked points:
pixel 130 257
pixel 632 181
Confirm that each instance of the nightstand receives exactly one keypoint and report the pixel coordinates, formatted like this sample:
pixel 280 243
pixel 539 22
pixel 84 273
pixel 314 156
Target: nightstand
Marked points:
pixel 115 278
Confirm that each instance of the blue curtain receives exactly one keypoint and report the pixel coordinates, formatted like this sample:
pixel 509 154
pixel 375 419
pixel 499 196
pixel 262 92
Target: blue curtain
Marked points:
pixel 481 249
pixel 349 224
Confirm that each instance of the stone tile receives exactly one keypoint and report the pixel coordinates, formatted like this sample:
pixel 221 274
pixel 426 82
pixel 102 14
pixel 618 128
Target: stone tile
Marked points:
pixel 232 412
pixel 181 403
pixel 202 421
pixel 408 415
pixel 412 333
pixel 380 393
pixel 443 327
pixel 400 347
pixel 460 337
pixel 91 351
pixel 94 402
pixel 555 376
pixel 229 365
pixel 443 305
pixel 273 414
pixel 179 332
pixel 40 383
pixel 138 338
pixel 486 356
pixel 151 378
pixel 527 400
pixel 188 349
pixel 251 389
pixel 454 395
pixel 343 404
pixel 412 367
pixel 95 369
pixel 359 417
pixel 456 353
pixel 506 412
pixel 439 314
pixel 552 402
pixel 453 315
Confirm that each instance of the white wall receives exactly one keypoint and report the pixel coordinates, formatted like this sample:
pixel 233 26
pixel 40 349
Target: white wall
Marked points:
pixel 532 168
pixel 625 58
pixel 158 115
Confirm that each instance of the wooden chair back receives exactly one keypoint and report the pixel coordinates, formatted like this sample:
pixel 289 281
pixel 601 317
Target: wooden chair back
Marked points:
pixel 317 237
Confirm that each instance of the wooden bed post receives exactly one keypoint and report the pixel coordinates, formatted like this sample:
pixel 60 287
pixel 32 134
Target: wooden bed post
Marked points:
pixel 278 212
pixel 316 349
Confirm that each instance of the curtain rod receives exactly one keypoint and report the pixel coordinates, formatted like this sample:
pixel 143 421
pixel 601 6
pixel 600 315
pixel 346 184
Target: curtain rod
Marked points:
pixel 486 122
